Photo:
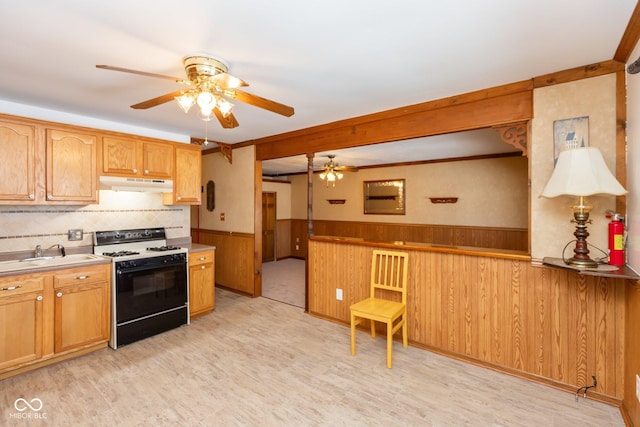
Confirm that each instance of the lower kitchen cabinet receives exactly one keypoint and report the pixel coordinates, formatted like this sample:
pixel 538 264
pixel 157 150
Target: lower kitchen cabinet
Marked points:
pixel 201 282
pixel 51 316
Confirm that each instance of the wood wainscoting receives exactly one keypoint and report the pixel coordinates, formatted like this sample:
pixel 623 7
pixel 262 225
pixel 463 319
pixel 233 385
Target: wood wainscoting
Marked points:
pixel 234 258
pixel 516 239
pixel 550 325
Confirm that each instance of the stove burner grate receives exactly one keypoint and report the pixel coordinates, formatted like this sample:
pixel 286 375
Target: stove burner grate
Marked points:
pixel 163 248
pixel 120 253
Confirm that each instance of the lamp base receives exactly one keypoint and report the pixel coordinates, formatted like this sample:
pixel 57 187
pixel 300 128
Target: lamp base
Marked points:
pixel 582 263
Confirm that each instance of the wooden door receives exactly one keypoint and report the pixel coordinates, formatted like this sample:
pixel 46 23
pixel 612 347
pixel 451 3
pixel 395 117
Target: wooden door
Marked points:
pixel 157 160
pixel 81 316
pixel 120 157
pixel 201 282
pixel 187 182
pixel 20 328
pixel 18 172
pixel 268 226
pixel 71 167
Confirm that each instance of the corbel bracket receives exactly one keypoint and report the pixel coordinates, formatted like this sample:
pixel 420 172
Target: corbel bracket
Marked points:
pixel 514 134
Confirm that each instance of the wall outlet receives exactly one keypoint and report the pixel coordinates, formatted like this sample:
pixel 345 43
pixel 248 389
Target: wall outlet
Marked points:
pixel 221 216
pixel 297 247
pixel 638 387
pixel 75 234
pixel 339 294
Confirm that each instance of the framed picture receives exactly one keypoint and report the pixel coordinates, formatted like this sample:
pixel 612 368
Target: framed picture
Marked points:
pixel 568 134
pixel 384 197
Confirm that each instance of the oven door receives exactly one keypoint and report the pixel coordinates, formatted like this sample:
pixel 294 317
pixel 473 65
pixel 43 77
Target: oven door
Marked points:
pixel 148 286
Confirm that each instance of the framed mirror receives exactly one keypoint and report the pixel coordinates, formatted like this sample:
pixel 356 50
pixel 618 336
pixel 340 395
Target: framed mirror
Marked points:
pixel 211 196
pixel 384 197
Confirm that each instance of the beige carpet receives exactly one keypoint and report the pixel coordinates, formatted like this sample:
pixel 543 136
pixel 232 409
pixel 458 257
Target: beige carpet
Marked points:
pixel 284 281
pixel 256 362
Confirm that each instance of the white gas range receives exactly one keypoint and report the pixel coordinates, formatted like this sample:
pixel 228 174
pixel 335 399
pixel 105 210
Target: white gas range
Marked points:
pixel 150 285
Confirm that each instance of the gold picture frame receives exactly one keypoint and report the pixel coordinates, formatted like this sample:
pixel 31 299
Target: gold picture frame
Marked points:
pixel 384 197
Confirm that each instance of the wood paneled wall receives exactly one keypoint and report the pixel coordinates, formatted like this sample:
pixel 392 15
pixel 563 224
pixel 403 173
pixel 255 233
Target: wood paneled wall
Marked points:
pixel 234 258
pixel 550 325
pixel 632 350
pixel 283 238
pixel 451 235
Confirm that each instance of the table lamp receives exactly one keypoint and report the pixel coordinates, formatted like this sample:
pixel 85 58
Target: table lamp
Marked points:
pixel 581 172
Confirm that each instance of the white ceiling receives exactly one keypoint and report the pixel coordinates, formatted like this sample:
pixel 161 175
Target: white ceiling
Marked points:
pixel 330 60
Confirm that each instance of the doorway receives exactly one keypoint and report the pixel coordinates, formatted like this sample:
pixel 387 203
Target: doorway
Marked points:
pixel 268 226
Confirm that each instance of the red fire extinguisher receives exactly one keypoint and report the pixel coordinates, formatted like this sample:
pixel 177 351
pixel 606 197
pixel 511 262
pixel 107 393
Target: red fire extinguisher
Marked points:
pixel 616 239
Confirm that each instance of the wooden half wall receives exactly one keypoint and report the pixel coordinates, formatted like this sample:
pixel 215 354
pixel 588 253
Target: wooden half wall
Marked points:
pixel 549 325
pixel 234 258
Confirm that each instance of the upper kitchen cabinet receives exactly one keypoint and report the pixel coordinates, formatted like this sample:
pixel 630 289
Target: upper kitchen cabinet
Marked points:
pixel 18 172
pixel 71 167
pixel 187 179
pixel 135 158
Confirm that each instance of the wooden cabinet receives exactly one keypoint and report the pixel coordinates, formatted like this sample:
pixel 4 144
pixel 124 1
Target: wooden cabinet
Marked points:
pixel 51 316
pixel 135 158
pixel 18 154
pixel 21 310
pixel 81 314
pixel 201 282
pixel 71 166
pixel 187 180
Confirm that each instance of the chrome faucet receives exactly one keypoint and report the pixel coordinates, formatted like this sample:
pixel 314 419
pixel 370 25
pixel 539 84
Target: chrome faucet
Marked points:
pixel 38 251
pixel 60 247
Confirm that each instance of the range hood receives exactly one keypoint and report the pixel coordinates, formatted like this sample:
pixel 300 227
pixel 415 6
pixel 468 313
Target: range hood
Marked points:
pixel 117 183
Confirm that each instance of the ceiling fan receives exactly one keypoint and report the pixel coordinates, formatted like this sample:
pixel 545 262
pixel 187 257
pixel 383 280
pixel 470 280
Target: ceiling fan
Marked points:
pixel 209 86
pixel 332 171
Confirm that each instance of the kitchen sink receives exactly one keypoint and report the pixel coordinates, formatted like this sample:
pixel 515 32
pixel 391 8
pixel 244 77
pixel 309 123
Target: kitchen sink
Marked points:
pixel 46 261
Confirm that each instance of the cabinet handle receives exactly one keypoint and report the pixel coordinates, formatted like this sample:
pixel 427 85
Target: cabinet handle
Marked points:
pixel 59 294
pixel 179 198
pixel 39 298
pixel 202 268
pixel 82 277
pixel 202 258
pixel 11 288
pixel 146 172
pixel 49 196
pixel 135 170
pixel 32 196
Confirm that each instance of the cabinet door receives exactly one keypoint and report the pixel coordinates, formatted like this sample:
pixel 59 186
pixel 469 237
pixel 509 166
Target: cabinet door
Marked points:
pixel 157 160
pixel 20 329
pixel 201 282
pixel 120 157
pixel 18 172
pixel 187 183
pixel 71 167
pixel 81 316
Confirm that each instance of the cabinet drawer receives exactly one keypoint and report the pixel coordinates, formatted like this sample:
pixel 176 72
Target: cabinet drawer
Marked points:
pixel 20 285
pixel 198 258
pixel 81 275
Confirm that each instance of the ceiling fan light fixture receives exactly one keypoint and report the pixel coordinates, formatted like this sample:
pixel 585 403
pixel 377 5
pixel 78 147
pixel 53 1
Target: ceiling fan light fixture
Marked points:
pixel 205 114
pixel 206 100
pixel 225 107
pixel 185 101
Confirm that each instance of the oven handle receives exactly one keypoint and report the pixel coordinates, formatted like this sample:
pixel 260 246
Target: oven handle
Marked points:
pixel 120 270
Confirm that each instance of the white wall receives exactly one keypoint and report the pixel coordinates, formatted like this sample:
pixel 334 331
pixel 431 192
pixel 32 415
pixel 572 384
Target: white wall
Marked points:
pixel 633 166
pixel 283 197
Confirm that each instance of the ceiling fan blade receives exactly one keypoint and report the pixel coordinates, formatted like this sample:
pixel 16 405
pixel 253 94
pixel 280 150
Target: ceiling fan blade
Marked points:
pixel 347 168
pixel 156 101
pixel 228 122
pixel 257 101
pixel 227 81
pixel 142 73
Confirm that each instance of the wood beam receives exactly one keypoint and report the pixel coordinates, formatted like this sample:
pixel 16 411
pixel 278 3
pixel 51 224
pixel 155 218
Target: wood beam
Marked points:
pixel 630 37
pixel 578 73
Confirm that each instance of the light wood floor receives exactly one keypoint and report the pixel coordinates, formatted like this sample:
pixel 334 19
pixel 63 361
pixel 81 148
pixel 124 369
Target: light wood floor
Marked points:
pixel 258 362
pixel 284 281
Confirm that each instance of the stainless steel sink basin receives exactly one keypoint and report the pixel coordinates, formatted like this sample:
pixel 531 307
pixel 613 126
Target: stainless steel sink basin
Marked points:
pixel 46 261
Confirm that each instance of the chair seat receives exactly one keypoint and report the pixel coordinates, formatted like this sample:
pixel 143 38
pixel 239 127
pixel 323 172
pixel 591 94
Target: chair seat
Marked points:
pixel 378 309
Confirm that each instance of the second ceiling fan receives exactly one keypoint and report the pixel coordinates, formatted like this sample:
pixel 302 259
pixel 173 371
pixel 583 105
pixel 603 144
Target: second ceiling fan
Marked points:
pixel 209 87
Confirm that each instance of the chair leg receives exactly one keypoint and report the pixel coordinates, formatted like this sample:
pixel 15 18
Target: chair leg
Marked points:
pixel 405 340
pixel 353 335
pixel 389 344
pixel 373 328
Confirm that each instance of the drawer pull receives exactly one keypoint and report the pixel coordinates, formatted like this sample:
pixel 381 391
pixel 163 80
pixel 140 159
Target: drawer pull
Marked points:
pixel 202 258
pixel 202 268
pixel 39 298
pixel 59 294
pixel 11 288
pixel 82 277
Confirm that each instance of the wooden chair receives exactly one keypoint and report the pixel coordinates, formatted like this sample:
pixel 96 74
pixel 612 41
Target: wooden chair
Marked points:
pixel 388 275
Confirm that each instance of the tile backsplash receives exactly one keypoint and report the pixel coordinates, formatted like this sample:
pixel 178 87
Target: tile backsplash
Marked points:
pixel 24 227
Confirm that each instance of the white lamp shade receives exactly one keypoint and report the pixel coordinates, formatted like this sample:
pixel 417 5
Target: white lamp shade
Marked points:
pixel 582 172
